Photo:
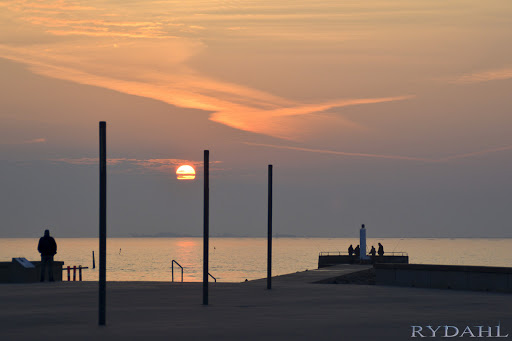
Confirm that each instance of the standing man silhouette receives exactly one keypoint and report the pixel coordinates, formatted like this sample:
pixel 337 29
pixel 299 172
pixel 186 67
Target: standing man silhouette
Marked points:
pixel 47 248
pixel 381 250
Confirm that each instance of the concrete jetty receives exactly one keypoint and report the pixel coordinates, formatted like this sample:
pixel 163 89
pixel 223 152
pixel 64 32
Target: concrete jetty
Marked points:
pixel 317 275
pixel 295 309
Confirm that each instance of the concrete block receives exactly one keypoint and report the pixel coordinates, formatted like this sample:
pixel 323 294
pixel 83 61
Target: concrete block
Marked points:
pixel 19 273
pixel 405 277
pixel 421 279
pixel 385 276
pixel 488 281
pixel 450 280
pixel 4 272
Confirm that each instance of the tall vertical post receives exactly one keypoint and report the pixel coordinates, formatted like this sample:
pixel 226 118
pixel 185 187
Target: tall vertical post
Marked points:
pixel 269 253
pixel 103 224
pixel 362 243
pixel 206 222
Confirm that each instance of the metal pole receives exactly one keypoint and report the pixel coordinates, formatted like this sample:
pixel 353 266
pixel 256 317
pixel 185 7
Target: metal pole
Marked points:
pixel 103 224
pixel 269 257
pixel 362 243
pixel 206 227
pixel 93 261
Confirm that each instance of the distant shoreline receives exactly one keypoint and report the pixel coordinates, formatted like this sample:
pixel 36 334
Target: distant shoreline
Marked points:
pixel 261 237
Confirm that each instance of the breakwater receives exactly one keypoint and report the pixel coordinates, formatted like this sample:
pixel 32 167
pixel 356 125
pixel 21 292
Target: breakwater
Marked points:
pixel 458 277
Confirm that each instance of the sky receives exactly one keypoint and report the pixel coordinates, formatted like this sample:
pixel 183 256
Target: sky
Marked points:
pixel 394 114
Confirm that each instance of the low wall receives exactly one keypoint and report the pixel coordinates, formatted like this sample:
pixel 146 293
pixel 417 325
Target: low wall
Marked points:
pixel 459 277
pixel 4 272
pixel 11 272
pixel 330 260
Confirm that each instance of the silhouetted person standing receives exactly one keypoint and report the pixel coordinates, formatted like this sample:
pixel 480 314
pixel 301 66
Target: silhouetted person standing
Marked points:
pixel 357 251
pixel 372 253
pixel 350 250
pixel 47 248
pixel 381 250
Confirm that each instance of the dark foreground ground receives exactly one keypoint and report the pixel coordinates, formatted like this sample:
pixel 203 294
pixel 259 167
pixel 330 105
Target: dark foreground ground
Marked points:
pixel 294 309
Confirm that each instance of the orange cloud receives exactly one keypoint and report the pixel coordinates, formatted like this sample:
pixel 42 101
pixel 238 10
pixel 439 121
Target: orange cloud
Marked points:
pixel 25 5
pixel 148 62
pixel 94 33
pixel 54 22
pixel 269 121
pixel 231 104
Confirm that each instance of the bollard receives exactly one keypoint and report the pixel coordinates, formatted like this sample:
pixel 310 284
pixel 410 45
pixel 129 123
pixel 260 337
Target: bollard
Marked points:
pixel 80 273
pixel 69 273
pixel 74 273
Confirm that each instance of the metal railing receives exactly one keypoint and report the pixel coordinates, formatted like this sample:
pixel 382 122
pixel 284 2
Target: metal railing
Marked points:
pixel 344 253
pixel 215 279
pixel 172 270
pixel 80 268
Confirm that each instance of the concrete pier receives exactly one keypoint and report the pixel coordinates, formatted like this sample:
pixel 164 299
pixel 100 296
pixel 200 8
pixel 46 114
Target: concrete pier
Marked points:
pixel 326 259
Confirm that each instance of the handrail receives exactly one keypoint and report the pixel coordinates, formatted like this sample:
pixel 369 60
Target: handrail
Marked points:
pixel 215 279
pixel 83 267
pixel 172 267
pixel 344 253
pixel 80 268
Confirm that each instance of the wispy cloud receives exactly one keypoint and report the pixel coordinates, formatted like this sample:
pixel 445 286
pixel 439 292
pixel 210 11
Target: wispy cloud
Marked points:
pixel 484 76
pixel 143 57
pixel 54 22
pixel 156 165
pixel 61 5
pixel 474 153
pixel 334 152
pixel 387 156
pixel 95 32
pixel 270 121
pixel 234 105
pixel 32 141
pixel 83 19
pixel 93 161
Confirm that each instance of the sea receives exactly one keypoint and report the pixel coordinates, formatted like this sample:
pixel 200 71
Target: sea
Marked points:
pixel 238 259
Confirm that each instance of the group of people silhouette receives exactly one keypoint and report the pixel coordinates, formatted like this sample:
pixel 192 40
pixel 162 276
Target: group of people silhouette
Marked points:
pixel 357 251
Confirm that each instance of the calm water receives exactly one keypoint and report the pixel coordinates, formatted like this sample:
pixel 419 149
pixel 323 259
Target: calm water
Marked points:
pixel 235 259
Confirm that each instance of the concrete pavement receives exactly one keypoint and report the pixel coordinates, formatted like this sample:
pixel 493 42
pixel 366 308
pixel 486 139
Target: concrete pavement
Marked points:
pixel 293 310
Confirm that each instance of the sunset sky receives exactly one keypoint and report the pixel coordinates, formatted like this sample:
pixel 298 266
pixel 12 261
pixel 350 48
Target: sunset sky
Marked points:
pixel 395 114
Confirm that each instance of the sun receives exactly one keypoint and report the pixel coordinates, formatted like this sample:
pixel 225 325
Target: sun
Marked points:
pixel 186 172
